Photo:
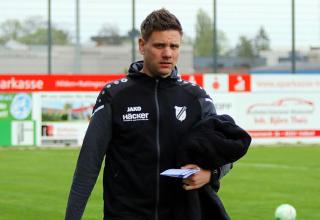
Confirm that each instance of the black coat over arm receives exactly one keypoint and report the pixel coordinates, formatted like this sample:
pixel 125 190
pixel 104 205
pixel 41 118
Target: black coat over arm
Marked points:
pixel 210 144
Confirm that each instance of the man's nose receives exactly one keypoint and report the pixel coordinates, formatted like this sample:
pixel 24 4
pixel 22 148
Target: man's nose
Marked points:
pixel 167 52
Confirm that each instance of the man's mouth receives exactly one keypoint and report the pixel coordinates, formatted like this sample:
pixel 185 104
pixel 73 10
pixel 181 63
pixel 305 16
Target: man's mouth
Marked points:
pixel 165 64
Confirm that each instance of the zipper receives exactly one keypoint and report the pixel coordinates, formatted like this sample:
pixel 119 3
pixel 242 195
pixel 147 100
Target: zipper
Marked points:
pixel 158 149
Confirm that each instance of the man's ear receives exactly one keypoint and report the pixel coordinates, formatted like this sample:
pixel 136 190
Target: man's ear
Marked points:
pixel 141 45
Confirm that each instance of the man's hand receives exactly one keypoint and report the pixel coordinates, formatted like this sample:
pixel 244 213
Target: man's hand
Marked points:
pixel 196 180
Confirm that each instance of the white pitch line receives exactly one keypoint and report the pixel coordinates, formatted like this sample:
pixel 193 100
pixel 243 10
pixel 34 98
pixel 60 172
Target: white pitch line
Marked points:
pixel 275 166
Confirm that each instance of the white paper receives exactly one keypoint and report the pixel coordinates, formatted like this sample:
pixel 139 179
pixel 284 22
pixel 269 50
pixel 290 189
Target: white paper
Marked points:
pixel 179 173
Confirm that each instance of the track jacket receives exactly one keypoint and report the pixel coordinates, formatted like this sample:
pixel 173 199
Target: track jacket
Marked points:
pixel 137 124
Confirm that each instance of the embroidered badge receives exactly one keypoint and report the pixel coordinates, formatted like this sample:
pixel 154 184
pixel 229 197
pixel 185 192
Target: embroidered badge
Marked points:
pixel 181 112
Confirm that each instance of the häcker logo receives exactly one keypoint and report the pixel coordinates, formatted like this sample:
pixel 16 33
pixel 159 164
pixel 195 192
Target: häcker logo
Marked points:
pixel 181 112
pixel 134 114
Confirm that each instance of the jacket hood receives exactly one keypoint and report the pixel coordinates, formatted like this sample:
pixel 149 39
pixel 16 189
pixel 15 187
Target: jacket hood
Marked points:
pixel 136 67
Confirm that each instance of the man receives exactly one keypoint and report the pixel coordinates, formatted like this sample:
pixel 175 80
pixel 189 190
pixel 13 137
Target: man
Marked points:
pixel 137 124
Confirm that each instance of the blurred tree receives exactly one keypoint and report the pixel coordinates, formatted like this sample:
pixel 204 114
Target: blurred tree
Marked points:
pixel 67 106
pixel 31 24
pixel 10 29
pixel 245 48
pixel 203 45
pixel 110 33
pixel 31 31
pixel 40 37
pixel 261 40
pixel 109 30
pixel 67 111
pixel 134 33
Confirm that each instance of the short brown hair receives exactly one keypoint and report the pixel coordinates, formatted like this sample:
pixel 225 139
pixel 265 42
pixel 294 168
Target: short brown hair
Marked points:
pixel 159 20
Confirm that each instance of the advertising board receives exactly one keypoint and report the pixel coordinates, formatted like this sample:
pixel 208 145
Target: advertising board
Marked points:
pixel 272 108
pixel 54 110
pixel 16 124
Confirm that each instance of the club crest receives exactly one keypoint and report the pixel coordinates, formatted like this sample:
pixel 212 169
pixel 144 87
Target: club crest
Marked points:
pixel 181 112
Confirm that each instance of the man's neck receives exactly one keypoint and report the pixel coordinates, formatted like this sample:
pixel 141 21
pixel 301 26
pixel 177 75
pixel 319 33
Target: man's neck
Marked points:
pixel 152 75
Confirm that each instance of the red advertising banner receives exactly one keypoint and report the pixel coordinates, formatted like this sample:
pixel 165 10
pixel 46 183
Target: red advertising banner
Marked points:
pixel 239 83
pixel 34 83
pixel 194 78
pixel 284 133
pixel 57 83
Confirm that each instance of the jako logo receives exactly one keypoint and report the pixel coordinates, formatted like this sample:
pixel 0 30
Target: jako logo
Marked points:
pixel 135 116
pixel 181 112
pixel 134 109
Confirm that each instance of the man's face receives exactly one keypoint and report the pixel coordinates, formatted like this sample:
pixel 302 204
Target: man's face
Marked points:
pixel 160 52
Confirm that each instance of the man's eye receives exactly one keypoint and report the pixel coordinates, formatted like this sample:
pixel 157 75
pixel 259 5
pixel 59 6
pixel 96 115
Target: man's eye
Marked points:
pixel 159 46
pixel 174 46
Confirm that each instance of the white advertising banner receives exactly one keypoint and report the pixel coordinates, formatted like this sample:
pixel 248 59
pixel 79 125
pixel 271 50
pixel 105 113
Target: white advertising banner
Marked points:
pixel 65 117
pixel 23 133
pixel 285 83
pixel 214 83
pixel 273 109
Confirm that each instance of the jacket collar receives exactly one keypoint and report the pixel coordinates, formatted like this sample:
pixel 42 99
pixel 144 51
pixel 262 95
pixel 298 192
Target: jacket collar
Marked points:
pixel 136 67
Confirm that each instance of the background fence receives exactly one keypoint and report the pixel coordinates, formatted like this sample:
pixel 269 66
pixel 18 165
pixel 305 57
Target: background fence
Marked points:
pixel 96 36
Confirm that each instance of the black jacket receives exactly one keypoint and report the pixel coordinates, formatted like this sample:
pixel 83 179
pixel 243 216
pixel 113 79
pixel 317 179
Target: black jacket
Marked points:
pixel 211 143
pixel 137 124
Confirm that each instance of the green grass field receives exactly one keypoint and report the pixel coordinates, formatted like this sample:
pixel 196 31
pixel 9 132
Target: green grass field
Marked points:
pixel 34 184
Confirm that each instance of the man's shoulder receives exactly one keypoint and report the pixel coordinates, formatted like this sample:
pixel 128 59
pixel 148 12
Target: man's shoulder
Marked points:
pixel 116 86
pixel 192 88
pixel 109 91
